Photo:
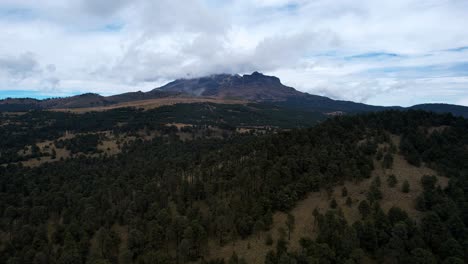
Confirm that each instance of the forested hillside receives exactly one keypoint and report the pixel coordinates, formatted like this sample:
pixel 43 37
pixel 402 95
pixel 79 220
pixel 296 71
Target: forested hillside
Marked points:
pixel 165 198
pixel 21 132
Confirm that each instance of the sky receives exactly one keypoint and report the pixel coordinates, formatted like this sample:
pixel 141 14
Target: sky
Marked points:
pixel 398 52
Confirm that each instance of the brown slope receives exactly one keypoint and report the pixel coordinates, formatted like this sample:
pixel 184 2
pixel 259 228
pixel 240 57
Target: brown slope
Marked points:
pixel 152 103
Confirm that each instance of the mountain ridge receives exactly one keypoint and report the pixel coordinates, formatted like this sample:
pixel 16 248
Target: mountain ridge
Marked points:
pixel 255 87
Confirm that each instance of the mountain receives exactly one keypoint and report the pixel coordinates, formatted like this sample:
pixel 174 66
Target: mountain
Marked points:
pixel 269 89
pixel 262 88
pixel 255 87
pixel 79 101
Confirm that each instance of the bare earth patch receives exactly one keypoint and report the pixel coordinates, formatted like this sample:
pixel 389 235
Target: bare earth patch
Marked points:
pixel 153 103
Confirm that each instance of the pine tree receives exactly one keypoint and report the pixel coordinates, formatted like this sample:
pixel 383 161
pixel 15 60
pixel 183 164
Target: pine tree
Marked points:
pixel 344 192
pixel 405 187
pixel 364 208
pixel 290 224
pixel 392 180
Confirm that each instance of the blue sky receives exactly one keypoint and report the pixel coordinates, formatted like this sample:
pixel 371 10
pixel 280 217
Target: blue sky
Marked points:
pixel 399 52
pixel 23 93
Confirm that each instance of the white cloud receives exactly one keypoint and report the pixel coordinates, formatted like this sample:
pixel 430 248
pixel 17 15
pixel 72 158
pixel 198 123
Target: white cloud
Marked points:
pixel 463 101
pixel 21 66
pixel 123 45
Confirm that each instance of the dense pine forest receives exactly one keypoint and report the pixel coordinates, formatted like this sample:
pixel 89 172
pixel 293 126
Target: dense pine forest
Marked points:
pixel 165 198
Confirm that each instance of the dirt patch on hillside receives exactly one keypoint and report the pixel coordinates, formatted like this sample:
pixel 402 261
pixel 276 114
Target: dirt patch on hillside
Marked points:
pixel 152 103
pixel 179 125
pixel 437 129
pixel 47 149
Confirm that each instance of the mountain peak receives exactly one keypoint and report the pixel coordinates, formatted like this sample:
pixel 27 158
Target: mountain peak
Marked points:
pixel 89 95
pixel 259 77
pixel 255 86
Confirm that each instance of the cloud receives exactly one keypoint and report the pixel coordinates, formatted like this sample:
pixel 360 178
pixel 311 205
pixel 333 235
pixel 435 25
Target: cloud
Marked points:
pixel 459 49
pixel 20 66
pixel 279 50
pixel 367 51
pixel 103 7
pixel 373 55
pixel 24 70
pixel 463 101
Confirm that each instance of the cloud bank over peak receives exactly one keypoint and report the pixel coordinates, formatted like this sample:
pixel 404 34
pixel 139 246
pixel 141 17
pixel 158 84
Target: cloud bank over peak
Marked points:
pixel 379 52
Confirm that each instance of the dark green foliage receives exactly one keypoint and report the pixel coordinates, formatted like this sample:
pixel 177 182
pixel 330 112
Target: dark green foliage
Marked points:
pixel 80 143
pixel 396 215
pixel 435 232
pixel 234 259
pixel 392 181
pixel 387 161
pixel 422 256
pixel 428 182
pixel 451 248
pixel 364 208
pixel 31 127
pixel 173 196
pixel 409 150
pixel 374 192
pixel 405 187
pixel 441 236
pixel 453 260
pixel 135 188
pixel 259 226
pixel 269 239
pixel 344 192
pixel 379 155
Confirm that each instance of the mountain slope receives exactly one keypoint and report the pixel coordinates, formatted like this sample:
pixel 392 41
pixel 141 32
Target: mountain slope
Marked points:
pixel 79 101
pixel 262 88
pixel 457 110
pixel 254 87
pixel 269 89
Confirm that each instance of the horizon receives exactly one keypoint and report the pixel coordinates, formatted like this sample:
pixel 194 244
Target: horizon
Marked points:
pixel 388 53
pixel 42 97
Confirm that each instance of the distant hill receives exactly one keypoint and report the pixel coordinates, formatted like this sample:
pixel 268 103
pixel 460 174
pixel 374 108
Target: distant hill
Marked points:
pixel 457 110
pixel 254 87
pixel 79 101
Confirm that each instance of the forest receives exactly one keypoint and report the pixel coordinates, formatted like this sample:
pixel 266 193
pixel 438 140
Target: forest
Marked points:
pixel 172 198
pixel 19 130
